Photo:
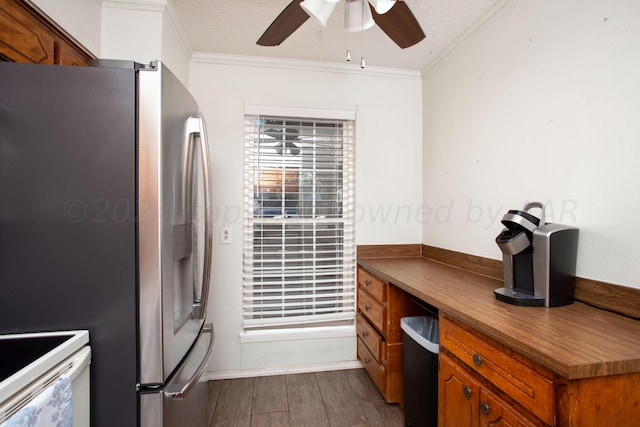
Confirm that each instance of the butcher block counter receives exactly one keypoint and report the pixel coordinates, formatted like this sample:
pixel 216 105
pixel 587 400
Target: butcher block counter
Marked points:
pixel 574 365
pixel 574 341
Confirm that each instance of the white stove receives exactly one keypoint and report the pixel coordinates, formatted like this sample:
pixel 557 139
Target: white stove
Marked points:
pixel 31 363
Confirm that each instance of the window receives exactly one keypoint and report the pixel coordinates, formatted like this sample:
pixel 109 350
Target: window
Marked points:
pixel 299 249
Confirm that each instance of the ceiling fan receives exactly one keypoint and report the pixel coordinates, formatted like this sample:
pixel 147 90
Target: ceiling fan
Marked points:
pixel 392 16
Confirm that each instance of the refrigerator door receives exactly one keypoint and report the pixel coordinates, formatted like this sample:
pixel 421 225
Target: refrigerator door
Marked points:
pixel 175 234
pixel 183 399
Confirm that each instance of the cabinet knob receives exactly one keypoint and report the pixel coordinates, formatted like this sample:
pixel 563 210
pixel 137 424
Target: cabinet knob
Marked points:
pixel 466 390
pixel 367 283
pixel 366 361
pixel 485 408
pixel 477 359
pixel 364 334
pixel 366 308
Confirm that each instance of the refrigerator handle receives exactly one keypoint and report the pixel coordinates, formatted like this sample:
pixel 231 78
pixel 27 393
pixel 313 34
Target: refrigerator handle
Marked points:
pixel 196 126
pixel 182 393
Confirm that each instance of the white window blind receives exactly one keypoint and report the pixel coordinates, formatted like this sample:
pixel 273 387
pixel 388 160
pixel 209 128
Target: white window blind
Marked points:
pixel 299 244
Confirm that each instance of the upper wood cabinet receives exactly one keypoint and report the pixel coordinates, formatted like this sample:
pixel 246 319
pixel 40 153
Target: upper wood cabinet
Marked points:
pixel 28 36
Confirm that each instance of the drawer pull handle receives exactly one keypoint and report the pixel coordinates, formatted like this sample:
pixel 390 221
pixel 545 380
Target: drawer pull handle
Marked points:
pixel 477 359
pixel 366 361
pixel 367 283
pixel 485 408
pixel 467 391
pixel 366 308
pixel 364 334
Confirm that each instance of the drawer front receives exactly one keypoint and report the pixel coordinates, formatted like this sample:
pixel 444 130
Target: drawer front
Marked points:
pixel 374 368
pixel 372 310
pixel 532 390
pixel 370 338
pixel 375 287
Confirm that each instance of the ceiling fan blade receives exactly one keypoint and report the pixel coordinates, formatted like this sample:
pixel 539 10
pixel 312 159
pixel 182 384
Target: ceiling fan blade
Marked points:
pixel 399 24
pixel 289 20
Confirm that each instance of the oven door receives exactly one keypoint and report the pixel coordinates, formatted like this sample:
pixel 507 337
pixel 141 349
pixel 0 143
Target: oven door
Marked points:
pixel 175 233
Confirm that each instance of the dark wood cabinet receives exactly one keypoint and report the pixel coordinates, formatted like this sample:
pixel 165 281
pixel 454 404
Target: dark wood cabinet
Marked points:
pixel 527 386
pixel 457 395
pixel 465 401
pixel 495 412
pixel 483 383
pixel 26 35
pixel 380 308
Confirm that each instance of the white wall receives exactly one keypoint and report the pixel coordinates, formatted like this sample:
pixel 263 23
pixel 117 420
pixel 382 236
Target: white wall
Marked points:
pixel 138 30
pixel 144 31
pixel 541 104
pixel 176 52
pixel 81 19
pixel 388 169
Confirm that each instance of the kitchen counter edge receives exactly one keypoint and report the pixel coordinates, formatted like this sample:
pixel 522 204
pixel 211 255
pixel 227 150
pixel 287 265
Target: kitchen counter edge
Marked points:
pixel 574 341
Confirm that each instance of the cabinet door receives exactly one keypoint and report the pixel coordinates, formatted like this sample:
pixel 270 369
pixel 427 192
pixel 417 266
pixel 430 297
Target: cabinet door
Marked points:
pixel 22 36
pixel 26 35
pixel 70 55
pixel 529 388
pixel 458 395
pixel 495 412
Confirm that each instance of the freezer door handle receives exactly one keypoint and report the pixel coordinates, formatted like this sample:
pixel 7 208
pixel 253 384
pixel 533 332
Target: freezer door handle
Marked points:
pixel 179 390
pixel 196 127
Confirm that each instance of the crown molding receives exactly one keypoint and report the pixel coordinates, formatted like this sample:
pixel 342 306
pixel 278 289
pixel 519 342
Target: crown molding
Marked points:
pixel 173 21
pixel 156 6
pixel 141 5
pixel 497 9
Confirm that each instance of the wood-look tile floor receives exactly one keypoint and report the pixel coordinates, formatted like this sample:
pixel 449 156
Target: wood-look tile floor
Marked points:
pixel 328 399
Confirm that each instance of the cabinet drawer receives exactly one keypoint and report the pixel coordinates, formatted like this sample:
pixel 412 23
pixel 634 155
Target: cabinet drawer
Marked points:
pixel 372 310
pixel 374 368
pixel 375 287
pixel 528 387
pixel 370 338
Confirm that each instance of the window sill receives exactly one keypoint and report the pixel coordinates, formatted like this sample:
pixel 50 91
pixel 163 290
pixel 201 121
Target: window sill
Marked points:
pixel 290 334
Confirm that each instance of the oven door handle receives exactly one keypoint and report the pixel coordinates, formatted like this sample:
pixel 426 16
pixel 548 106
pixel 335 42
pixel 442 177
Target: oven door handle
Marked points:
pixel 196 128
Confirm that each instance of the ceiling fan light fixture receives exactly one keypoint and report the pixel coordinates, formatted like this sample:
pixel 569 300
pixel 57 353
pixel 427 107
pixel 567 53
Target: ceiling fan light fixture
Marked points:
pixel 319 9
pixel 357 17
pixel 382 6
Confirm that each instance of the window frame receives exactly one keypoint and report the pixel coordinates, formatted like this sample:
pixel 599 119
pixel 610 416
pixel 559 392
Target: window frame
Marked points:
pixel 343 289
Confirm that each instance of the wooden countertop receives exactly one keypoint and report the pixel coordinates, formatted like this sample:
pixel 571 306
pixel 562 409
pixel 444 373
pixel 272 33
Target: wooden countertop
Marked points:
pixel 574 341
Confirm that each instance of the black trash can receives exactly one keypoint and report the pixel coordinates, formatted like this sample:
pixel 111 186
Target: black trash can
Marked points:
pixel 420 339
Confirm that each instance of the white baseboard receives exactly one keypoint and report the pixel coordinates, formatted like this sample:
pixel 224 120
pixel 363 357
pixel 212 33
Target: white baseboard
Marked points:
pixel 281 370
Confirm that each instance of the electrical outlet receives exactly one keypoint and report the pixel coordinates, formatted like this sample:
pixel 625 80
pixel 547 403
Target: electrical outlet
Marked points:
pixel 225 235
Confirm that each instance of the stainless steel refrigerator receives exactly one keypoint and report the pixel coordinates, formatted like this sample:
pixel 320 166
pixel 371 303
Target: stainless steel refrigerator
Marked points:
pixel 105 225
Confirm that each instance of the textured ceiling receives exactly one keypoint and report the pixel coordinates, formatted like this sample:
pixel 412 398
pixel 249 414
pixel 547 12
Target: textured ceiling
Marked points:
pixel 234 26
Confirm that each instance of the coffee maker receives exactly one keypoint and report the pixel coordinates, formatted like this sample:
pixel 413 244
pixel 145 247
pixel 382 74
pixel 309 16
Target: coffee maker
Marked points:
pixel 539 259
